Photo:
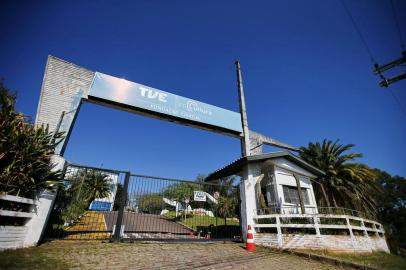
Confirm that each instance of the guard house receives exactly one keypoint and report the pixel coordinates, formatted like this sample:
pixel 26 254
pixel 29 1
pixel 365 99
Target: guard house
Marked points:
pixel 278 201
pixel 282 182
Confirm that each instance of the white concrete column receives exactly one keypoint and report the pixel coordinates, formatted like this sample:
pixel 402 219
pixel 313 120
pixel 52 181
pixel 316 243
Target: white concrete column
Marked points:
pixel 42 209
pixel 316 221
pixel 349 227
pixel 364 229
pixel 375 229
pixel 248 200
pixel 279 231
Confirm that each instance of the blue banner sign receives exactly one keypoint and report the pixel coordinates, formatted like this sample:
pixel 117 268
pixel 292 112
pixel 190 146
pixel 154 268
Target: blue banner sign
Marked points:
pixel 136 95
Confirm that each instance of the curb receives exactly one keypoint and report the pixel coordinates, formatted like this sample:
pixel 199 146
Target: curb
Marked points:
pixel 331 260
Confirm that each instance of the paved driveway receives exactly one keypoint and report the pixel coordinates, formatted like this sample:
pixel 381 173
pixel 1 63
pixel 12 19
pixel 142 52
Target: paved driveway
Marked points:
pixel 136 222
pixel 169 256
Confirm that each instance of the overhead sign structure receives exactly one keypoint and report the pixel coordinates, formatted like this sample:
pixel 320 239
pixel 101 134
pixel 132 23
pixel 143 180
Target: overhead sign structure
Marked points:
pixel 165 105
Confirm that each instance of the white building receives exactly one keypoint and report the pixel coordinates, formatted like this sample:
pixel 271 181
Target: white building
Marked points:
pixel 278 201
pixel 277 177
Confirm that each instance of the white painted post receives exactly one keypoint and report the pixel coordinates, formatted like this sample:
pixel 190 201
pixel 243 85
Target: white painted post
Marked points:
pixel 316 225
pixel 349 227
pixel 364 228
pixel 248 200
pixel 42 209
pixel 376 229
pixel 279 231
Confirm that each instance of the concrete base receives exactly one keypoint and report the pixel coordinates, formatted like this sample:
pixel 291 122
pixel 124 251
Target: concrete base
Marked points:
pixel 341 243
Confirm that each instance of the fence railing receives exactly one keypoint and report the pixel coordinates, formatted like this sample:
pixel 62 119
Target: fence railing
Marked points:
pixel 321 221
pixel 314 210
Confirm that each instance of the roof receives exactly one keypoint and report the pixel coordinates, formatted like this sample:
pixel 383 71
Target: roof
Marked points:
pixel 236 166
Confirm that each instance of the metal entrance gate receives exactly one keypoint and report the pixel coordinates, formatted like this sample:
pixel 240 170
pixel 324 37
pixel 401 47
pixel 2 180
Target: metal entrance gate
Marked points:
pixel 106 204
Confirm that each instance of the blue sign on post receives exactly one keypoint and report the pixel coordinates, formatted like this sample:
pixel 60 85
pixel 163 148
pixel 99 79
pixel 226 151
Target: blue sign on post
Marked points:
pixel 157 101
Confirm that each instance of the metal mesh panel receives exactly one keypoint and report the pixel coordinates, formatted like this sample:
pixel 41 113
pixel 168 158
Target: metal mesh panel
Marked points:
pixel 106 204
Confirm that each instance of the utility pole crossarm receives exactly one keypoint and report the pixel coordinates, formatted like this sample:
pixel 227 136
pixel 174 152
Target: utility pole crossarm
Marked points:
pixel 388 81
pixel 378 70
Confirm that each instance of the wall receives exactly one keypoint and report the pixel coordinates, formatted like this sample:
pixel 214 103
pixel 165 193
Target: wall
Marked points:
pixel 63 87
pixel 13 236
pixel 285 177
pixel 341 243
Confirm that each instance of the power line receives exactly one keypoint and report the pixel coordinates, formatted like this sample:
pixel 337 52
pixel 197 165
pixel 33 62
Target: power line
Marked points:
pixel 358 31
pixel 398 102
pixel 402 44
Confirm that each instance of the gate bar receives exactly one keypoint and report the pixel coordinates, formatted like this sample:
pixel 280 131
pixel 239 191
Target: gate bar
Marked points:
pixel 117 232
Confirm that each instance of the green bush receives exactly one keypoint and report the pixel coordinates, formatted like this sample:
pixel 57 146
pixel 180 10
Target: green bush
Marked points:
pixel 25 151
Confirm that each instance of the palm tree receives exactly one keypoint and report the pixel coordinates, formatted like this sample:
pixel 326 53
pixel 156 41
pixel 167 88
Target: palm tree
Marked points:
pixel 345 184
pixel 97 185
pixel 226 207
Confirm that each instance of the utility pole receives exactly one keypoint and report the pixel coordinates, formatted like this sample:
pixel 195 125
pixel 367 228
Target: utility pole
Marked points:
pixel 245 140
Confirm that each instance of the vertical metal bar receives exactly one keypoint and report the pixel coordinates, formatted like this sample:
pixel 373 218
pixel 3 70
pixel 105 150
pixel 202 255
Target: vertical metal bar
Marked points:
pixel 120 216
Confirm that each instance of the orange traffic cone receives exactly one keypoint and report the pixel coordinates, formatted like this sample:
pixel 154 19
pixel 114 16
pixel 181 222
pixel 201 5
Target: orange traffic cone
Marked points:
pixel 250 246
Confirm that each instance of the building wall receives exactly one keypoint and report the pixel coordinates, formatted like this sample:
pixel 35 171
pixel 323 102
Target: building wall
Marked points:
pixel 285 177
pixel 341 243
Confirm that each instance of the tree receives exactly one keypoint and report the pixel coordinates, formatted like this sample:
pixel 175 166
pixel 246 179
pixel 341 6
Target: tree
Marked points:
pixel 181 190
pixel 88 184
pixel 345 184
pixel 25 151
pixel 226 207
pixel 392 210
pixel 150 203
pixel 97 185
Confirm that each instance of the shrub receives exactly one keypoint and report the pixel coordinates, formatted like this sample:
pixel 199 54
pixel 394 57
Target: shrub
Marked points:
pixel 25 151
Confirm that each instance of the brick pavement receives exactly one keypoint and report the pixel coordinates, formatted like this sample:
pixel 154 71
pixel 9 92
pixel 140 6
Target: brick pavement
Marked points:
pixel 86 255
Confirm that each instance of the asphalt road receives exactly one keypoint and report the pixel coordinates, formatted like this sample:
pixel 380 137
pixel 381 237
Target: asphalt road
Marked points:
pixel 137 222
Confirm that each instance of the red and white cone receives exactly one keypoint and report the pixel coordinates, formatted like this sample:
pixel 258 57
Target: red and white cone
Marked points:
pixel 250 246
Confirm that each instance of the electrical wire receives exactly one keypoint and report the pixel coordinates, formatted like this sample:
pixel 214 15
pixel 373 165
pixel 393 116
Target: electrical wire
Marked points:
pixel 398 102
pixel 402 44
pixel 358 31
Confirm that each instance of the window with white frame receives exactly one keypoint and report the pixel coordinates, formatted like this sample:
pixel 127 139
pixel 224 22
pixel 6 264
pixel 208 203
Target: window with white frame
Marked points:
pixel 292 196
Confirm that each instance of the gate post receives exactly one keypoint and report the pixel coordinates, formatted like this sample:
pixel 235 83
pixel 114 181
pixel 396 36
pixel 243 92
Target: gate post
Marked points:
pixel 120 216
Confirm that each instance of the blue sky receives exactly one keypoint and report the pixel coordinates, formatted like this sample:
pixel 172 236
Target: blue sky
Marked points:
pixel 306 75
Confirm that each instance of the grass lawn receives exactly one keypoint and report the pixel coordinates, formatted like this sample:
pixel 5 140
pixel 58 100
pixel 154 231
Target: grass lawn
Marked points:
pixel 195 221
pixel 29 258
pixel 379 260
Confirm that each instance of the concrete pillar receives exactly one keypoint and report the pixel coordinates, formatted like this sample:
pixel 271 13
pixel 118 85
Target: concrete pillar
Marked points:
pixel 42 209
pixel 248 199
pixel 364 229
pixel 279 232
pixel 316 221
